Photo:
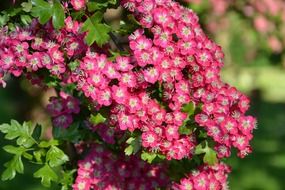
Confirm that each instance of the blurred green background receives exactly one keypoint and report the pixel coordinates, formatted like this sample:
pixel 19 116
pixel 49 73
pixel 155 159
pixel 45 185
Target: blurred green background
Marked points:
pixel 252 34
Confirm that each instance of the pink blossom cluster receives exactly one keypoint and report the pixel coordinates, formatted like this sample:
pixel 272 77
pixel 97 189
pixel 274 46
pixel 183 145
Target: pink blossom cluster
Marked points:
pixel 187 64
pixel 61 109
pixel 131 106
pixel 205 178
pixel 172 63
pixel 29 50
pixel 179 62
pixel 103 170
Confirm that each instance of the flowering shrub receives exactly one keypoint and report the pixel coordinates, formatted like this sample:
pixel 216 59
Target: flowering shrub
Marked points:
pixel 147 115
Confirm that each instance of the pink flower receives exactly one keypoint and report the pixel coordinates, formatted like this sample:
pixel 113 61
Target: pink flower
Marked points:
pixel 7 60
pixel 123 64
pixel 151 75
pixel 120 94
pixel 162 17
pixel 140 44
pixel 247 124
pixel 105 97
pixel 240 142
pixel 46 61
pixel 171 132
pixel 98 80
pixel 81 184
pixel 35 61
pixel 125 121
pixel 56 55
pixel 111 72
pixel 128 79
pixel 58 69
pixel 78 4
pixel 134 104
pixel 243 104
pixel 149 139
pixel 229 125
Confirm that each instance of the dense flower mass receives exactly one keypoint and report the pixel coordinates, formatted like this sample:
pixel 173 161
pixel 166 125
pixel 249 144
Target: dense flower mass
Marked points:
pixel 101 169
pixel 171 64
pixel 206 177
pixel 187 64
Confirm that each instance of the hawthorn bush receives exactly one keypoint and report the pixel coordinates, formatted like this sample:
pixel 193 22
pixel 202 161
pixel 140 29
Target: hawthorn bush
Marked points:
pixel 139 106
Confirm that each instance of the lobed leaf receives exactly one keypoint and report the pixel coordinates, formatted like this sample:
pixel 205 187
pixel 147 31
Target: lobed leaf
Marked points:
pixel 47 175
pixel 56 157
pixel 96 31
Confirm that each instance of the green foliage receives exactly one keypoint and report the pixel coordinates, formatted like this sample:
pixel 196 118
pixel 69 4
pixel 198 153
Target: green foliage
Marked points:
pixel 96 30
pixel 73 65
pixel 134 145
pixel 47 10
pixel 148 156
pixel 189 108
pixel 23 133
pixel 47 175
pixel 100 4
pixel 56 157
pixel 3 19
pixel 32 148
pixel 27 6
pixel 67 179
pixel 97 119
pixel 210 156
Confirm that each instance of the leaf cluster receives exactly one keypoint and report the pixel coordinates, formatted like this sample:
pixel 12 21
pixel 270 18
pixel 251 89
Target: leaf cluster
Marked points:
pixel 29 146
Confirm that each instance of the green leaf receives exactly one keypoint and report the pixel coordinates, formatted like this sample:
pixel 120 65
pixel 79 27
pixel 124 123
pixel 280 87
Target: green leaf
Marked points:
pixel 99 4
pixel 189 108
pixel 22 132
pixel 8 174
pixel 47 175
pixel 45 11
pixel 42 10
pixel 134 145
pixel 73 65
pixel 3 19
pixel 96 31
pixel 27 156
pixel 26 19
pixel 27 6
pixel 97 119
pixel 58 15
pixel 210 156
pixel 38 155
pixel 56 157
pixel 67 179
pixel 14 150
pixel 129 150
pixel 184 130
pixel 46 144
pixel 12 167
pixel 148 156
